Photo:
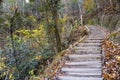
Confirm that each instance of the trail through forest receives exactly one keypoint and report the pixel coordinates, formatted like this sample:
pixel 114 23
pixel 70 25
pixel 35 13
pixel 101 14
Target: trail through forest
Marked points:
pixel 86 61
pixel 48 40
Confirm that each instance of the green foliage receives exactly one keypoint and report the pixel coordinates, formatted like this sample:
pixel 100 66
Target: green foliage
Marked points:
pixel 34 40
pixel 47 53
pixel 24 55
pixel 29 51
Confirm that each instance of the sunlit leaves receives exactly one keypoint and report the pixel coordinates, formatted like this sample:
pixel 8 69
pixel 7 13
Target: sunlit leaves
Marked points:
pixel 32 33
pixel 118 58
pixel 2 65
pixel 32 19
pixel 31 72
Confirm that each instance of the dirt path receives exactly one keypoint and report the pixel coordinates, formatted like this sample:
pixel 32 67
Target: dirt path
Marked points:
pixel 86 62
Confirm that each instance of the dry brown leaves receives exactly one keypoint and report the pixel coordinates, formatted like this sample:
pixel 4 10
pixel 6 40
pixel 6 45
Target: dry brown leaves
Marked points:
pixel 111 68
pixel 53 70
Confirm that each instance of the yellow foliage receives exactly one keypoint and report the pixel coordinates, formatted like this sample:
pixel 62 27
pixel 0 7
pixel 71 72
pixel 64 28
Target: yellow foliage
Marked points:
pixel 38 57
pixel 25 33
pixel 63 29
pixel 41 31
pixel 32 18
pixel 88 4
pixel 10 76
pixel 31 72
pixel 63 20
pixel 38 36
pixel 118 58
pixel 33 33
pixel 12 8
pixel 2 65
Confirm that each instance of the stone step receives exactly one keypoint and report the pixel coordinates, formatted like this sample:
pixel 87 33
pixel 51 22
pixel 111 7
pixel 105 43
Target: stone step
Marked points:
pixel 81 70
pixel 87 48
pixel 94 37
pixel 91 51
pixel 84 59
pixel 87 63
pixel 93 41
pixel 77 78
pixel 83 66
pixel 96 56
pixel 86 52
pixel 89 44
pixel 94 74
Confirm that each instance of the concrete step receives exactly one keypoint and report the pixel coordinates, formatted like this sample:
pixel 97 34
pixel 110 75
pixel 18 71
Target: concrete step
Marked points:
pixel 82 70
pixel 89 44
pixel 77 78
pixel 80 52
pixel 94 74
pixel 96 56
pixel 92 41
pixel 87 48
pixel 94 38
pixel 84 59
pixel 88 63
pixel 84 66
pixel 91 51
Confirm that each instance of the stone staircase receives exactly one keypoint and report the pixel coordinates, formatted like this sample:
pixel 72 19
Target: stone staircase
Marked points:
pixel 86 61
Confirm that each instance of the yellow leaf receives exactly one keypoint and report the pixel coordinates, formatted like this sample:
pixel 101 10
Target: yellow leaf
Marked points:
pixel 118 58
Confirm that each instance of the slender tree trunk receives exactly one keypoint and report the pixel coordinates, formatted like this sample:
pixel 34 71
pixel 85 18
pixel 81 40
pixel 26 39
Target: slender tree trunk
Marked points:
pixel 57 35
pixel 53 7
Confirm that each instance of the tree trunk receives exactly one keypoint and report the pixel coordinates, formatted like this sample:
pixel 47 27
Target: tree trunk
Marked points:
pixel 53 4
pixel 57 35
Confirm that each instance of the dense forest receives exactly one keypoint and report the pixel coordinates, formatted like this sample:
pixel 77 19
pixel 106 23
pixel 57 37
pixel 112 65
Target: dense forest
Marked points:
pixel 35 33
